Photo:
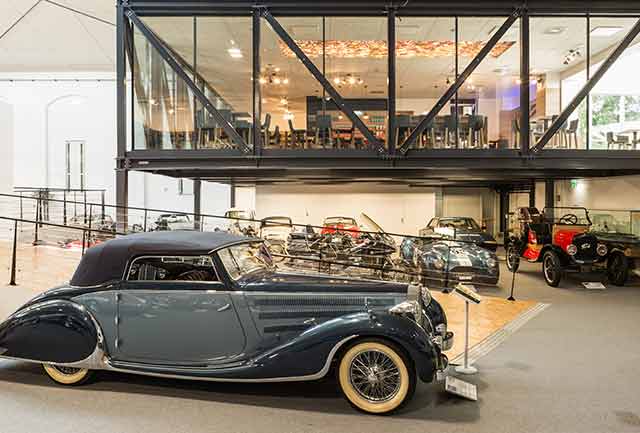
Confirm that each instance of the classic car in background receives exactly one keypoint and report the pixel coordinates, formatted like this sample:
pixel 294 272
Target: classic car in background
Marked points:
pixel 212 306
pixel 445 263
pixel 462 228
pixel 275 230
pixel 623 257
pixel 241 221
pixel 558 237
pixel 339 224
pixel 172 221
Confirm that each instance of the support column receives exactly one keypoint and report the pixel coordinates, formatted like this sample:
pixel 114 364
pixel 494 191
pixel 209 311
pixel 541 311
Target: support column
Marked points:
pixel 232 195
pixel 532 194
pixel 197 207
pixel 549 195
pixel 504 209
pixel 122 173
pixel 524 83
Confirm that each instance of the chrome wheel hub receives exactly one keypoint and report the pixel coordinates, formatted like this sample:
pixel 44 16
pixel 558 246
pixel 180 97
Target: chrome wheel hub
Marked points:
pixel 375 376
pixel 66 370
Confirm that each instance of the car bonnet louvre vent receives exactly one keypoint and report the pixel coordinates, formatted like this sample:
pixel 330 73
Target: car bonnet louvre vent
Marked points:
pixel 319 301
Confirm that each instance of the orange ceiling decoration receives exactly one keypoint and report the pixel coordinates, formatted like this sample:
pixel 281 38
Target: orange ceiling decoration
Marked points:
pixel 404 48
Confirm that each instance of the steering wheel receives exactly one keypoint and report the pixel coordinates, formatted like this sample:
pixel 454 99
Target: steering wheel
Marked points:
pixel 569 218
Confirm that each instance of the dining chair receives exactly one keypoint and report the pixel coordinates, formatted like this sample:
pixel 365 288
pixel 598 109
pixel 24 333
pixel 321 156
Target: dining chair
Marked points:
pixel 475 132
pixel 298 136
pixel 617 141
pixel 265 129
pixel 403 126
pixel 571 133
pixel 324 130
pixel 449 129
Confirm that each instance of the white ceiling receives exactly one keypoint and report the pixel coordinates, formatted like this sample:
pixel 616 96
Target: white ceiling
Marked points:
pixel 51 38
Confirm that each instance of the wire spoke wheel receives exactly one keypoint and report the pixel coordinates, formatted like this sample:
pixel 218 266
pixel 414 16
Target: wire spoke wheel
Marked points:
pixel 66 375
pixel 375 376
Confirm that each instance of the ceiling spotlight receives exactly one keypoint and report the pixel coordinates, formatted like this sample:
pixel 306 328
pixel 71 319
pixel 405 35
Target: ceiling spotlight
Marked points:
pixel 351 80
pixel 235 52
pixel 171 111
pixel 556 30
pixel 336 80
pixel 285 81
pixel 283 101
pixel 263 80
pixel 571 56
pixel 153 101
pixel 277 80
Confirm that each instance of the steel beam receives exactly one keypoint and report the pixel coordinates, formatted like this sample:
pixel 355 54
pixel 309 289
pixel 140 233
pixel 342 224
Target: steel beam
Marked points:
pixel 122 193
pixel 165 54
pixel 524 83
pixel 391 86
pixel 312 68
pixel 451 91
pixel 257 105
pixel 589 85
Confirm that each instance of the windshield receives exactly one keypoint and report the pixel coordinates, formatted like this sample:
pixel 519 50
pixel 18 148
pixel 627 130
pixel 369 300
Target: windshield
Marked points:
pixel 567 215
pixel 339 220
pixel 242 214
pixel 276 221
pixel 241 259
pixel 459 223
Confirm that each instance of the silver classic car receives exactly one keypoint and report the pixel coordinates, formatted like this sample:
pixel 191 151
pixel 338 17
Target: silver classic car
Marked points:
pixel 213 306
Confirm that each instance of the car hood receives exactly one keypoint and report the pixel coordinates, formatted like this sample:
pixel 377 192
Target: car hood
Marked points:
pixel 474 236
pixel 279 281
pixel 458 254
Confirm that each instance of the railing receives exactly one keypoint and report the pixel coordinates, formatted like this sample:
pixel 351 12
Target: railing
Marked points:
pixel 381 259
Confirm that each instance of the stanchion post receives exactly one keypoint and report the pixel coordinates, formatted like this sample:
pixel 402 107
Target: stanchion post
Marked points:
pixel 84 235
pixel 89 232
pixel 144 223
pixel 466 368
pixel 64 207
pixel 12 281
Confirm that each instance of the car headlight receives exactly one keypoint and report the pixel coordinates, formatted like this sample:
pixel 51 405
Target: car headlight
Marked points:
pixel 491 262
pixel 572 250
pixel 426 296
pixel 602 250
pixel 406 308
pixel 438 263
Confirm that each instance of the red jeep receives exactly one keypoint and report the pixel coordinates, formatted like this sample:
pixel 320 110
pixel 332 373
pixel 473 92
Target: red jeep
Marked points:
pixel 558 237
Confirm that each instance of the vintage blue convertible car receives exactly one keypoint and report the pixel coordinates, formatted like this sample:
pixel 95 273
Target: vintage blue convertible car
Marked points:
pixel 445 263
pixel 212 306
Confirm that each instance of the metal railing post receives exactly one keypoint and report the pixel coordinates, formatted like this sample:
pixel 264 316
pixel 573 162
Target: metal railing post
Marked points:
pixel 35 232
pixel 144 223
pixel 21 213
pixel 64 208
pixel 84 235
pixel 12 281
pixel 89 232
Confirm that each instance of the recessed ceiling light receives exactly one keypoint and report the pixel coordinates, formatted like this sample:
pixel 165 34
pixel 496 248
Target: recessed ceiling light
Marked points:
pixel 556 30
pixel 235 52
pixel 604 31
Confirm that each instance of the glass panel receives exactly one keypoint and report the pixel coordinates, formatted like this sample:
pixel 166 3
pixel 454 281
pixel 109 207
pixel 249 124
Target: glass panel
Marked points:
pixel 224 67
pixel 490 98
pixel 163 112
pixel 297 112
pixel 167 114
pixel 614 118
pixel 425 68
pixel 558 70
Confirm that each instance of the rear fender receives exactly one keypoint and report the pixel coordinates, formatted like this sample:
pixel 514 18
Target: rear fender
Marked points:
pixel 55 331
pixel 311 352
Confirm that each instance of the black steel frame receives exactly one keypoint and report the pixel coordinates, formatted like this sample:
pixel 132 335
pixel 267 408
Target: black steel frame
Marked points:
pixel 586 89
pixel 175 65
pixel 326 85
pixel 223 164
pixel 460 80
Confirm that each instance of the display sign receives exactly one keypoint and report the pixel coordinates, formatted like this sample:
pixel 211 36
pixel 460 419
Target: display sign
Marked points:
pixel 461 388
pixel 594 285
pixel 468 293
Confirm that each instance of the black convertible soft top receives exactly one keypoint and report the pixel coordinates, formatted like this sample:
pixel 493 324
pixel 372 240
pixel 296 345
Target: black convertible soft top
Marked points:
pixel 107 261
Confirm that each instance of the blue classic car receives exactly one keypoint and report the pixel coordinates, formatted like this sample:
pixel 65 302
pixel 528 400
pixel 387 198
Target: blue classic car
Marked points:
pixel 442 262
pixel 212 306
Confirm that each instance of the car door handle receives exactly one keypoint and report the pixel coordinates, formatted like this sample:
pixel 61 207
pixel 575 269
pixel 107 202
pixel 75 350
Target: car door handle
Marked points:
pixel 224 307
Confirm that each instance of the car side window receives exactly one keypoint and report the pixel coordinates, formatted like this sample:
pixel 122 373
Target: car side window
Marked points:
pixel 172 268
pixel 432 223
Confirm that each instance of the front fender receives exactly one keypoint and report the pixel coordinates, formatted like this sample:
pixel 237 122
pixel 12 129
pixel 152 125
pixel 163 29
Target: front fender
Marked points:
pixel 310 353
pixel 55 331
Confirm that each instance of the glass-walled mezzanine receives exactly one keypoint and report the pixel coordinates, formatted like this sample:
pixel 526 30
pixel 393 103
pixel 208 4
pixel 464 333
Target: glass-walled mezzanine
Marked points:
pixel 296 111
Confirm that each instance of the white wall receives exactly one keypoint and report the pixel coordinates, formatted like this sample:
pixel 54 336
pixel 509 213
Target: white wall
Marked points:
pixel 615 193
pixel 6 145
pixel 38 117
pixel 397 209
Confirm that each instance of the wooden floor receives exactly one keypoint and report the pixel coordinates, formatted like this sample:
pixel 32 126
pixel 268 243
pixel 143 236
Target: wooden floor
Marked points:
pixel 43 267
